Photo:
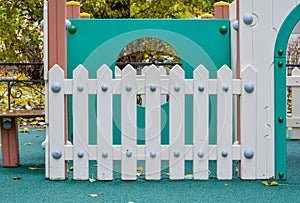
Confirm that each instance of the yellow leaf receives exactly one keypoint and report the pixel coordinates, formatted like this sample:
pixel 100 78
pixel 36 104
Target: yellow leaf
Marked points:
pixel 71 168
pixel 274 183
pixel 92 180
pixel 0 145
pixel 33 122
pixel 28 143
pixel 95 195
pixel 188 176
pixel 140 168
pixel 138 174
pixel 24 130
pixel 40 129
pixel 21 76
pixel 34 168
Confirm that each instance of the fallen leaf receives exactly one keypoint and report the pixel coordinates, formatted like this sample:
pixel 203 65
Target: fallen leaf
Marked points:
pixel 71 168
pixel 0 145
pixel 34 168
pixel 33 122
pixel 140 168
pixel 92 180
pixel 273 183
pixel 16 178
pixel 40 129
pixel 28 143
pixel 138 174
pixel 24 130
pixel 188 176
pixel 95 195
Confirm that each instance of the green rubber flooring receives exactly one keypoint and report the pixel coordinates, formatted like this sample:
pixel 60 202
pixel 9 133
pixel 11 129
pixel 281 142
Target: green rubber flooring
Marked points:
pixel 27 183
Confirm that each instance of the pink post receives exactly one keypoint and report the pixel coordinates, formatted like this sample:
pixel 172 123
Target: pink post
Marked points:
pixel 222 10
pixel 10 144
pixel 73 9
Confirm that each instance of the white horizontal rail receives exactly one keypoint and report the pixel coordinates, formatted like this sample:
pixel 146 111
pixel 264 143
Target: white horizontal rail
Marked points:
pixel 92 86
pixel 164 152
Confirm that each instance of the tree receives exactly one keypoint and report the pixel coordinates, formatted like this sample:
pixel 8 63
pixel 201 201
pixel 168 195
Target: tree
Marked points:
pixel 106 8
pixel 20 34
pixel 171 8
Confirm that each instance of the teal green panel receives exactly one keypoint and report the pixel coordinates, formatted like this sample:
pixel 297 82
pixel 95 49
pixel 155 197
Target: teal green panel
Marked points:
pixel 280 90
pixel 99 41
pixel 280 117
pixel 117 119
pixel 165 124
pixel 141 125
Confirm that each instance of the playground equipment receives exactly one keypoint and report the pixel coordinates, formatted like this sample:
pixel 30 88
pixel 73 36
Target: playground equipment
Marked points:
pixel 257 57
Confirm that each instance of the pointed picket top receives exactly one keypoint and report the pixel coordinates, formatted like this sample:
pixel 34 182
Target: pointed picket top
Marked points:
pixel 248 74
pixel 105 70
pixel 177 70
pixel 118 72
pixel 55 69
pixel 128 70
pixel 144 69
pixel 224 70
pixel 152 70
pixel 296 72
pixel 248 69
pixel 162 70
pixel 80 69
pixel 201 71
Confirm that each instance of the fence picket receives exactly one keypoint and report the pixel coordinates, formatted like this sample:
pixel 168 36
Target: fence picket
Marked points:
pixel 248 124
pixel 224 124
pixel 56 138
pixel 177 123
pixel 128 123
pixel 153 123
pixel 80 123
pixel 104 123
pixel 201 123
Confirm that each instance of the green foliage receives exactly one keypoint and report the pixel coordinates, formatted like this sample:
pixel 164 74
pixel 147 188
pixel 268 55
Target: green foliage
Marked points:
pixel 106 8
pixel 20 34
pixel 19 26
pixel 171 8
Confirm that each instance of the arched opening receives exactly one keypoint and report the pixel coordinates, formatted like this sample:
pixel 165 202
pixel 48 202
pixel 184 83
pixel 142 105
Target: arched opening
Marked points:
pixel 144 52
pixel 284 54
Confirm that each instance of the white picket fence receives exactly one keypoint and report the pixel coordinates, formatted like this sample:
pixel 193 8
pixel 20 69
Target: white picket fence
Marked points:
pixel 152 85
pixel 293 119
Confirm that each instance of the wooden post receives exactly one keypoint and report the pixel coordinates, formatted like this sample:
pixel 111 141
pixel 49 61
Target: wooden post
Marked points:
pixel 222 10
pixel 73 9
pixel 10 144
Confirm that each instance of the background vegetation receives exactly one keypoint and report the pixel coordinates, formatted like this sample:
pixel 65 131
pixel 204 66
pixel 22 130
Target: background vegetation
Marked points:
pixel 21 37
